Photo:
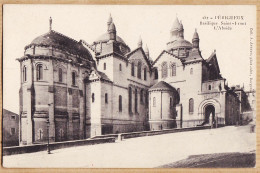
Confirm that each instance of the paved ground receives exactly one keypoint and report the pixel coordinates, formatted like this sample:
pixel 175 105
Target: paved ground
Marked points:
pixel 219 160
pixel 143 152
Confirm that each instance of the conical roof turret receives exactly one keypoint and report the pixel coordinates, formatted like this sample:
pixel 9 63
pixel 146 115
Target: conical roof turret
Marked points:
pixel 146 51
pixel 195 35
pixel 110 20
pixel 140 42
pixel 176 24
pixel 181 26
pixel 112 27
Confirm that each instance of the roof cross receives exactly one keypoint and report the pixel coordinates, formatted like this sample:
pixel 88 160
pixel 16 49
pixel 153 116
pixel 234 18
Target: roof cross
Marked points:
pixel 50 20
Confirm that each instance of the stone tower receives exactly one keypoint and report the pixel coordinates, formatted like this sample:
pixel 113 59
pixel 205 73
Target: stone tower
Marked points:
pixel 53 70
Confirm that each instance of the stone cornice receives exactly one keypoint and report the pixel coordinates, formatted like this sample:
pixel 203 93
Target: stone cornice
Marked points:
pixel 116 55
pixel 159 89
pixel 138 83
pixel 45 57
pixel 192 62
pixel 99 79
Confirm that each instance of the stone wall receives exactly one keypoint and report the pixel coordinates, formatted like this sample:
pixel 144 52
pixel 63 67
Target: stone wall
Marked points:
pixel 60 101
pixel 10 128
pixel 54 146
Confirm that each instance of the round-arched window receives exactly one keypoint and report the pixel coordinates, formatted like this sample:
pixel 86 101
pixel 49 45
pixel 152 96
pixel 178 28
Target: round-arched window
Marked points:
pixel 39 72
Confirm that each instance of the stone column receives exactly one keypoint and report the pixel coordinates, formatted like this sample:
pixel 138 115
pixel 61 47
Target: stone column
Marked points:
pixel 21 103
pixel 150 106
pixel 161 106
pixel 69 103
pixel 81 105
pixel 29 130
pixel 51 102
pixel 179 115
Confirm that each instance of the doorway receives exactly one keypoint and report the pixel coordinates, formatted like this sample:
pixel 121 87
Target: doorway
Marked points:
pixel 210 115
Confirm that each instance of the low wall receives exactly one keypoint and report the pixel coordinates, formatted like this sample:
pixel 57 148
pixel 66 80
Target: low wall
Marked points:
pixel 151 133
pixel 106 136
pixel 160 132
pixel 55 145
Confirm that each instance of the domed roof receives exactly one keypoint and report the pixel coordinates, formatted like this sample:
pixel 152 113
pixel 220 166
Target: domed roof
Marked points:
pixel 162 86
pixel 166 87
pixel 105 38
pixel 61 41
pixel 181 43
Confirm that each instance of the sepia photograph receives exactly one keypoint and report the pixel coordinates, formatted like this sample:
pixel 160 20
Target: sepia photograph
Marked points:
pixel 129 86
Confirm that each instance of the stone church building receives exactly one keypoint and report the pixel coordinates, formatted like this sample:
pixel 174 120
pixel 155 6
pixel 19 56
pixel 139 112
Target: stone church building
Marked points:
pixel 86 90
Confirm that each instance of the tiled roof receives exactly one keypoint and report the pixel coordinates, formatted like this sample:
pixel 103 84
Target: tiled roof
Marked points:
pixel 59 40
pixel 211 56
pixel 194 55
pixel 162 86
pixel 165 86
pixel 103 76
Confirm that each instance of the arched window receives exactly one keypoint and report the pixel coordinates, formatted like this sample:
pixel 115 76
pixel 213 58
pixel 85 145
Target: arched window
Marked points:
pixel 130 99
pixel 170 102
pixel 191 71
pixel 164 70
pixel 209 87
pixel 24 74
pixel 135 100
pixel 60 75
pixel 39 74
pixel 105 66
pixel 191 105
pixel 141 96
pixel 139 70
pixel 73 78
pixel 106 99
pixel 133 69
pixel 156 74
pixel 93 97
pixel 120 103
pixel 173 69
pixel 120 67
pixel 145 73
pixel 154 102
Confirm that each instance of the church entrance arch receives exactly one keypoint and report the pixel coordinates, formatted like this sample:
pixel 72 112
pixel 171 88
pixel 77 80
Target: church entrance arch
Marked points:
pixel 209 112
pixel 209 115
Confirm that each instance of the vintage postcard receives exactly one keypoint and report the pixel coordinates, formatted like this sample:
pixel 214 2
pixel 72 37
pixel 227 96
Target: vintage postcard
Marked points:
pixel 129 86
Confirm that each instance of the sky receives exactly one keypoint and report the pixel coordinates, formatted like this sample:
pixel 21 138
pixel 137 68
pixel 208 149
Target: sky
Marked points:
pixel 23 23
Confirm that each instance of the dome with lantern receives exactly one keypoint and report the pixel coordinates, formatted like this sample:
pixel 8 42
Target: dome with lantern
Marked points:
pixel 54 39
pixel 177 41
pixel 106 37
